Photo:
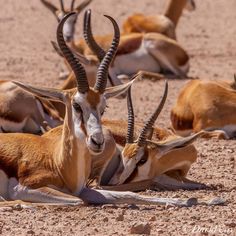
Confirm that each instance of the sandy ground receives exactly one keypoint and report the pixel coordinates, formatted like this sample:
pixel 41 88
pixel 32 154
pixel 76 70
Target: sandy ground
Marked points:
pixel 208 34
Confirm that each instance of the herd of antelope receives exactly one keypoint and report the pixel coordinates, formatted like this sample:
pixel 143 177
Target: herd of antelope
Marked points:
pixel 55 148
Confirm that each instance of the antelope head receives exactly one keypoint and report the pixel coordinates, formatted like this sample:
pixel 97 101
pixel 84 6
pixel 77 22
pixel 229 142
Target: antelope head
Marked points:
pixel 142 158
pixel 84 105
pixel 59 13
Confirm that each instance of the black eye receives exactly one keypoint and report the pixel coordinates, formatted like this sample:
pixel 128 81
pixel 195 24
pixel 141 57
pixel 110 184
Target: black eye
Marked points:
pixel 102 112
pixel 143 160
pixel 77 107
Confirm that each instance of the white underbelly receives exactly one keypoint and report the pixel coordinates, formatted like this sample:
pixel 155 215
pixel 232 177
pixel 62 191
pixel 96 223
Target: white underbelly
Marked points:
pixel 131 63
pixel 11 126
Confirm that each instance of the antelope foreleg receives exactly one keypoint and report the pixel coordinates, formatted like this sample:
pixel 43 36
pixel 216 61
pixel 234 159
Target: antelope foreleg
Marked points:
pixel 41 195
pixel 95 196
pixel 166 182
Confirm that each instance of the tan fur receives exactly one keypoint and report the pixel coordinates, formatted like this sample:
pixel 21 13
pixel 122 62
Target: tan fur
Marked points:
pixel 130 150
pixel 203 105
pixel 164 24
pixel 17 106
pixel 167 53
pixel 50 159
pixel 93 97
pixel 168 163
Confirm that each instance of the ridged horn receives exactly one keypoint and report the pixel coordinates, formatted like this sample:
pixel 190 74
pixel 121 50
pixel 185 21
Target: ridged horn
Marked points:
pixel 130 129
pixel 88 36
pixel 149 124
pixel 103 68
pixel 91 42
pixel 78 69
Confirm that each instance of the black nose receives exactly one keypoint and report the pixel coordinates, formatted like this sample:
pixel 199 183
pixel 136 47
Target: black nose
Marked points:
pixel 97 140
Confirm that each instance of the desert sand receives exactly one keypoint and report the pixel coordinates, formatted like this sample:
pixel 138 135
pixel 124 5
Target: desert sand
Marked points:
pixel 208 34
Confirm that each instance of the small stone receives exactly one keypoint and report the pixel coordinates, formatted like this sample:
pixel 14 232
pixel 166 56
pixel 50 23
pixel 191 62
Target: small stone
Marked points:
pixel 231 224
pixel 120 217
pixel 30 231
pixel 160 231
pixel 140 228
pixel 6 209
pixel 153 218
pixel 105 219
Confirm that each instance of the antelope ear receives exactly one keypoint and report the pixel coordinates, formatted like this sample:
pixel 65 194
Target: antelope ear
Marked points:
pixel 50 6
pixel 82 5
pixel 45 93
pixel 117 90
pixel 180 142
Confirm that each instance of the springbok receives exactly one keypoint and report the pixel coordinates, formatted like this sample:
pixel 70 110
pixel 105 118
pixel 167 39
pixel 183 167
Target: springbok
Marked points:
pixel 69 28
pixel 24 112
pixel 164 24
pixel 151 52
pixel 206 105
pixel 145 164
pixel 54 168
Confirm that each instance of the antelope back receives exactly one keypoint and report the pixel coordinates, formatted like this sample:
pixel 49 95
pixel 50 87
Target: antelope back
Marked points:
pixel 204 105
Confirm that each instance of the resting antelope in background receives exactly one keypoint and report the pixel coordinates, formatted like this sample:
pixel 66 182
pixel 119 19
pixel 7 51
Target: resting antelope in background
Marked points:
pixel 69 28
pixel 54 167
pixel 206 105
pixel 164 24
pixel 24 112
pixel 151 52
pixel 144 164
pixel 21 111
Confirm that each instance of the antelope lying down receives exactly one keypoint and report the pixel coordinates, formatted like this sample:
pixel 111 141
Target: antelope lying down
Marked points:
pixel 23 112
pixel 59 13
pixel 151 52
pixel 164 24
pixel 54 167
pixel 145 164
pixel 206 105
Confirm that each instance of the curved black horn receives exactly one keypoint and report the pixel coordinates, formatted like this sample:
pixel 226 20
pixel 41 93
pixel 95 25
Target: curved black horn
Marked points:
pixel 102 73
pixel 130 129
pixel 78 69
pixel 91 42
pixel 62 6
pixel 88 36
pixel 148 125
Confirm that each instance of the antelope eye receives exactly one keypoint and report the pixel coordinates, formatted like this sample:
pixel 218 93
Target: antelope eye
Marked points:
pixel 77 107
pixel 102 112
pixel 143 160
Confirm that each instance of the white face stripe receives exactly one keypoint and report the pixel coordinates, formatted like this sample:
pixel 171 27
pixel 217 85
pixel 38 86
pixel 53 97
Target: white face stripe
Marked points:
pixel 11 126
pixel 91 120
